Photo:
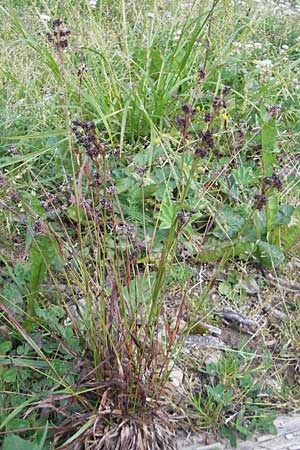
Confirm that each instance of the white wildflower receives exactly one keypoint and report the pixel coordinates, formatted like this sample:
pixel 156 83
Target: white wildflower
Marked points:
pixel 44 17
pixel 47 97
pixel 177 34
pixel 264 67
pixel 151 15
pixel 93 3
pixel 257 45
pixel 263 63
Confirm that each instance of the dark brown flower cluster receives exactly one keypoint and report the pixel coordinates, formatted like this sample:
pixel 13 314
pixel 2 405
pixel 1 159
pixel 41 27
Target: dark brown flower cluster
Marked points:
pixel 13 149
pixel 201 74
pixel 260 201
pixel 207 143
pixel 38 225
pixel 207 138
pixel 273 110
pixel 207 117
pixel 85 134
pixel 81 71
pixel 184 216
pixel 219 101
pixel 2 180
pixel 124 228
pixel 59 34
pixel 201 152
pixel 188 111
pixel 273 181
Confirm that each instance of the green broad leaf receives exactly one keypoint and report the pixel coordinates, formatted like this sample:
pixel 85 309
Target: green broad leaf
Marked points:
pixel 5 346
pixel 269 255
pixel 271 212
pixel 72 214
pixel 12 296
pixel 217 252
pixel 125 185
pixel 229 223
pixel 244 176
pixel 289 235
pixel 229 433
pixel 159 239
pixel 34 203
pixel 167 216
pixel 226 290
pixel 70 338
pixel 10 376
pixel 52 314
pixel 265 422
pixel 244 431
pixel 259 222
pixel 246 381
pixel 284 215
pixel 268 140
pixel 18 424
pixel 228 395
pixel 147 191
pixel 14 442
pixel 42 255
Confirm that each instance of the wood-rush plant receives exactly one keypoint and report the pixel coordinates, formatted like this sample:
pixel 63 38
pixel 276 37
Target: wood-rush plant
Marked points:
pixel 117 346
pixel 117 341
pixel 113 331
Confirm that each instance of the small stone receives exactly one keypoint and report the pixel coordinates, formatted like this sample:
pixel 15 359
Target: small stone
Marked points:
pixel 290 436
pixel 216 446
pixel 246 446
pixel 265 438
pixel 176 377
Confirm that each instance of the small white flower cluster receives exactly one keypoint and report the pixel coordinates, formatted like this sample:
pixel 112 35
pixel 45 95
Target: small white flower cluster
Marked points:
pixel 177 34
pixel 285 8
pixel 93 3
pixel 275 8
pixel 296 83
pixel 283 51
pixel 239 47
pixel 265 67
pixel 44 17
pixel 186 5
